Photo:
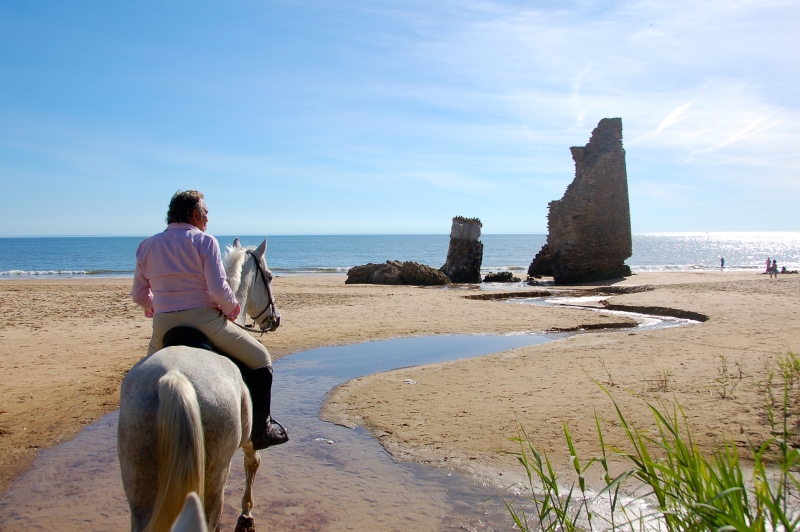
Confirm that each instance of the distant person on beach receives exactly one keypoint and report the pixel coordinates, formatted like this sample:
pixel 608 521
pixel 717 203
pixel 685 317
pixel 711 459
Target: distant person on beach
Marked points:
pixel 773 269
pixel 721 264
pixel 769 266
pixel 180 281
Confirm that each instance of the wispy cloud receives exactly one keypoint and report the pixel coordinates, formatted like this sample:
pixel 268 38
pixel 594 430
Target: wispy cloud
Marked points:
pixel 673 116
pixel 750 130
pixel 575 97
pixel 667 122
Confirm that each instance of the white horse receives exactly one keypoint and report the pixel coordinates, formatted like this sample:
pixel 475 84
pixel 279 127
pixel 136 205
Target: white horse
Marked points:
pixel 184 412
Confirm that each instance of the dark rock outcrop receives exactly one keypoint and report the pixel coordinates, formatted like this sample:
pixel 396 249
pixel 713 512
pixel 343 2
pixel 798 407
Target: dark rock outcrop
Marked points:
pixel 501 277
pixel 388 273
pixel 418 274
pixel 589 229
pixel 465 254
pixel 396 272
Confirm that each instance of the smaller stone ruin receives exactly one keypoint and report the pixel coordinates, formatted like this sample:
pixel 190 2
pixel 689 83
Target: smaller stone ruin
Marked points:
pixel 465 254
pixel 464 258
pixel 396 272
pixel 589 229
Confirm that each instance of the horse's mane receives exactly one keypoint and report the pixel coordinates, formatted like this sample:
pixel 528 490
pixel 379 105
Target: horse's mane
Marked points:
pixel 234 257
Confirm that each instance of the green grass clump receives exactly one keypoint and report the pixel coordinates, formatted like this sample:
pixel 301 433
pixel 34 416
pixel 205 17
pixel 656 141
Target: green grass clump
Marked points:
pixel 679 488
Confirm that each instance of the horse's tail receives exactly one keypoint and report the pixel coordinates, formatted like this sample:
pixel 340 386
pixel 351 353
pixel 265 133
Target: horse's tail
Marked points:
pixel 181 449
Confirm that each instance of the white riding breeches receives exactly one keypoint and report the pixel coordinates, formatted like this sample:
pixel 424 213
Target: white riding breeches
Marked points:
pixel 225 336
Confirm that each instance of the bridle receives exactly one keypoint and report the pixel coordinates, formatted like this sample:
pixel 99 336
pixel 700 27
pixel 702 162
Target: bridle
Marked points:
pixel 270 305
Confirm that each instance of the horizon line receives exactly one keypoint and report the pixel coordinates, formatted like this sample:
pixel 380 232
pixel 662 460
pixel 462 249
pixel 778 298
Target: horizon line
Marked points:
pixel 657 233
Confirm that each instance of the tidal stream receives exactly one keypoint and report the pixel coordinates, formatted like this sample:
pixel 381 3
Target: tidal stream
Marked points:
pixel 327 477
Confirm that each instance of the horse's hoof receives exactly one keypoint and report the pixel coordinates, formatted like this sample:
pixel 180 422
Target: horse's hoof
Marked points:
pixel 245 524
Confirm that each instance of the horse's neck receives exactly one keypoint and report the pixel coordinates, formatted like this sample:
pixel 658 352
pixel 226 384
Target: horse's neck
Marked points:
pixel 242 292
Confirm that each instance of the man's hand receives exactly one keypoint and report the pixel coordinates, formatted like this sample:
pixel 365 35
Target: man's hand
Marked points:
pixel 234 313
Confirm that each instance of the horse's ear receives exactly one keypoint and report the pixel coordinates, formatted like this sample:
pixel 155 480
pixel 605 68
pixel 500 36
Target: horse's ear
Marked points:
pixel 192 517
pixel 236 243
pixel 261 249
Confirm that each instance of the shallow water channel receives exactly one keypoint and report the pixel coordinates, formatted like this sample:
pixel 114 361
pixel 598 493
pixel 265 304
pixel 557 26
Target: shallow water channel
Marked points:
pixel 594 303
pixel 326 478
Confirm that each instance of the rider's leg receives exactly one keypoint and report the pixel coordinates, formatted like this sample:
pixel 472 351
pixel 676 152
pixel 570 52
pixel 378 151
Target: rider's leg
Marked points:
pixel 227 337
pixel 206 320
pixel 247 350
pixel 154 345
pixel 223 334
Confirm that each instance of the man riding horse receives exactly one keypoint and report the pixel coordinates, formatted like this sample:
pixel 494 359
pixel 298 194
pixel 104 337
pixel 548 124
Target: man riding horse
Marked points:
pixel 180 281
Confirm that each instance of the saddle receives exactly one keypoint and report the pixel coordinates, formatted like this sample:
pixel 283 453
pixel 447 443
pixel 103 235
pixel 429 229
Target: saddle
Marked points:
pixel 191 337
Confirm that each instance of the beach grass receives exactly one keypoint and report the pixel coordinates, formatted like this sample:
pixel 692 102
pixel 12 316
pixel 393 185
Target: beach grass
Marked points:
pixel 667 483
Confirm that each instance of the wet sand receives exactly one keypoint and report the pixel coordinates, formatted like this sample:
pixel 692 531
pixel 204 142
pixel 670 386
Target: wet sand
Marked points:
pixel 65 345
pixel 462 414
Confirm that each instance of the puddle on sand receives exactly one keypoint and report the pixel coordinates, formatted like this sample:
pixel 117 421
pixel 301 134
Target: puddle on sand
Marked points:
pixel 307 484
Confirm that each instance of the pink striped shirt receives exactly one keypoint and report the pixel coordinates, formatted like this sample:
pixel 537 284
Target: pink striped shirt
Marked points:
pixel 181 269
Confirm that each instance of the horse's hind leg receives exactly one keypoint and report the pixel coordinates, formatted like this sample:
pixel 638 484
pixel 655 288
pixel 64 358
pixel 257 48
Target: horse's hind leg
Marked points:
pixel 216 478
pixel 252 460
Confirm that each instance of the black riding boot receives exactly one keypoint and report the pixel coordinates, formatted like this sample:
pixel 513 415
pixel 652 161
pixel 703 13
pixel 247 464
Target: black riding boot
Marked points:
pixel 266 431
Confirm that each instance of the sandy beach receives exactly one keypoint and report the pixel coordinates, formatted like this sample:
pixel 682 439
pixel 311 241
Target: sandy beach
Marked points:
pixel 462 414
pixel 65 346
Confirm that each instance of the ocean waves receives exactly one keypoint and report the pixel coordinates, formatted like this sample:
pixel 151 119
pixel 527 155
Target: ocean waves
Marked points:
pixel 43 273
pixel 93 257
pixel 309 270
pixel 64 273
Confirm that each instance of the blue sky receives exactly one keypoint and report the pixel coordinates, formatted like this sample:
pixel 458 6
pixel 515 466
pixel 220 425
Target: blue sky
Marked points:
pixel 393 117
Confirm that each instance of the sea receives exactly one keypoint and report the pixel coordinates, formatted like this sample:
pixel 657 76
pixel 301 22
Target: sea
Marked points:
pixel 68 257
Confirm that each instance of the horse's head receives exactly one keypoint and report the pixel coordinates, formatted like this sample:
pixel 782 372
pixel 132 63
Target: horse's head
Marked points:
pixel 251 280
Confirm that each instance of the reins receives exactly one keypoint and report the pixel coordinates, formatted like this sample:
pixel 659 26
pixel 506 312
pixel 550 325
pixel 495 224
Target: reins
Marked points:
pixel 271 304
pixel 248 328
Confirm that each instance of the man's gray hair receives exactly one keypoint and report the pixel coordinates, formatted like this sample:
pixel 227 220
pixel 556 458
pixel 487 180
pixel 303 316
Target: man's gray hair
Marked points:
pixel 182 205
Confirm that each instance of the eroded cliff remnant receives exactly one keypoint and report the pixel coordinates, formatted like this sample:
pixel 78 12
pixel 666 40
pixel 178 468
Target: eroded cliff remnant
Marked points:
pixel 396 272
pixel 589 229
pixel 465 254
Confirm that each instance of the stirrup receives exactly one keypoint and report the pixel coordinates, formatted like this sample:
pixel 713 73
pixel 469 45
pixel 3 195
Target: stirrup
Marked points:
pixel 274 434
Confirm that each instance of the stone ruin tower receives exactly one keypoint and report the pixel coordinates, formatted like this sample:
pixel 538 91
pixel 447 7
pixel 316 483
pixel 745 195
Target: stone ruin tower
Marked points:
pixel 465 255
pixel 589 229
